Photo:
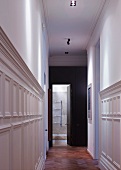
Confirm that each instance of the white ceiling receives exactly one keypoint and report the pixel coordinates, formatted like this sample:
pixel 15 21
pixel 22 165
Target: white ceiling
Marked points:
pixel 76 23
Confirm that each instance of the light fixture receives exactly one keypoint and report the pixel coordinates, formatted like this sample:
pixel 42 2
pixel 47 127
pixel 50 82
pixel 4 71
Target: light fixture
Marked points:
pixel 66 52
pixel 68 42
pixel 73 3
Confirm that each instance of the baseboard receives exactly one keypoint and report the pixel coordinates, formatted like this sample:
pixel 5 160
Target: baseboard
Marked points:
pixel 90 153
pixel 41 164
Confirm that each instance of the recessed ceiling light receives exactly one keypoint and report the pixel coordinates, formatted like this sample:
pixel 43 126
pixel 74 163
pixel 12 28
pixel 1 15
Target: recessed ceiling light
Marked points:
pixel 66 52
pixel 73 3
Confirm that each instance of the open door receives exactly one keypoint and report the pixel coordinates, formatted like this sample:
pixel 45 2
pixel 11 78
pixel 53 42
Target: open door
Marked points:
pixel 69 141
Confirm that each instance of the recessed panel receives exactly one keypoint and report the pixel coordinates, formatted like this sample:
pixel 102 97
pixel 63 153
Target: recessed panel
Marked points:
pixel 31 104
pixel 105 107
pixel 15 99
pixel 17 149
pixel 28 103
pixel 118 105
pixel 20 101
pixel 25 146
pixel 104 136
pixel 109 139
pixel 116 143
pixel 25 102
pixel 111 106
pixel 5 150
pixel 7 96
pixel 32 145
pixel 37 139
pixel 35 105
pixel 114 105
pixel 1 95
pixel 108 106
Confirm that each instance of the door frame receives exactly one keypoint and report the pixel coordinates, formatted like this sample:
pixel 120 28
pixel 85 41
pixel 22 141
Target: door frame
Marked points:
pixel 50 112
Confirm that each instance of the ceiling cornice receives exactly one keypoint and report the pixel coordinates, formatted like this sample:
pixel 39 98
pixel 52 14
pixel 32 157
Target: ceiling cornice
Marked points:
pixel 95 20
pixel 95 36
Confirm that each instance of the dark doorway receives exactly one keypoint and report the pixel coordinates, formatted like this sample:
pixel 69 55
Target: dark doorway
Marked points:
pixel 77 77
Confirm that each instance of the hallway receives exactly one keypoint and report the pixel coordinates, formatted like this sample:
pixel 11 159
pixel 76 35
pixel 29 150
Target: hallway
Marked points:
pixel 52 42
pixel 69 158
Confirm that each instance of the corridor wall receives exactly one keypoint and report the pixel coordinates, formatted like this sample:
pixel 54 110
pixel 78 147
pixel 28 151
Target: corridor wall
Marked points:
pixel 23 85
pixel 107 31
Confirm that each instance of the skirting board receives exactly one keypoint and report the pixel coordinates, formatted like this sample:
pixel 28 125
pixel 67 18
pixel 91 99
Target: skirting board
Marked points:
pixel 90 153
pixel 41 164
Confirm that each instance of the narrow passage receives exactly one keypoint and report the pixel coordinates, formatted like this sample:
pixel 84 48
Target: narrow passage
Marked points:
pixel 69 158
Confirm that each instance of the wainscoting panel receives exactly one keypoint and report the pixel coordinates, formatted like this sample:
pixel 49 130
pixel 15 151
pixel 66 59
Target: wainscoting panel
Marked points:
pixel 1 95
pixel 7 91
pixel 21 112
pixel 110 128
pixel 15 99
pixel 17 148
pixel 5 147
pixel 20 95
pixel 116 143
pixel 109 139
pixel 104 136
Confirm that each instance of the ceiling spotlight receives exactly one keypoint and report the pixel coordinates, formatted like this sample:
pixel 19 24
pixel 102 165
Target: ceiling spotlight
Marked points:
pixel 68 42
pixel 73 3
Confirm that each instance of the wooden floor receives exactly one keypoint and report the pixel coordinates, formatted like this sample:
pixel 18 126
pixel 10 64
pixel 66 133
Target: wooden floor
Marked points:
pixel 69 158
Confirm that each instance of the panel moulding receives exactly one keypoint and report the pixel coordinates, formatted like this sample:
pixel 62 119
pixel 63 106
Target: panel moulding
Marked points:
pixel 20 101
pixel 110 130
pixel 7 92
pixel 19 96
pixel 15 99
pixel 1 112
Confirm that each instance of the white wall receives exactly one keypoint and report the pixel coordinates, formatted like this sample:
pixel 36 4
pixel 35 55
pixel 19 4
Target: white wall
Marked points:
pixel 22 21
pixel 45 70
pixel 21 112
pixel 110 46
pixel 108 31
pixel 91 79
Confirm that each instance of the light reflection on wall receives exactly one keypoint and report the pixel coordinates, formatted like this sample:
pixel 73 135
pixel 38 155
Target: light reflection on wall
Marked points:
pixel 105 54
pixel 90 68
pixel 105 70
pixel 39 59
pixel 28 31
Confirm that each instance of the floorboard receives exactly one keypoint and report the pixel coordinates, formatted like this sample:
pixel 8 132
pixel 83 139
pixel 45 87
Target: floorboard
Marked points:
pixel 70 158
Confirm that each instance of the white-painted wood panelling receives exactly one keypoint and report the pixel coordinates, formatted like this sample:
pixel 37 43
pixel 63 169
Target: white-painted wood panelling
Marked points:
pixel 15 99
pixel 17 148
pixel 20 100
pixel 5 148
pixel 1 94
pixel 7 98
pixel 110 128
pixel 21 112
